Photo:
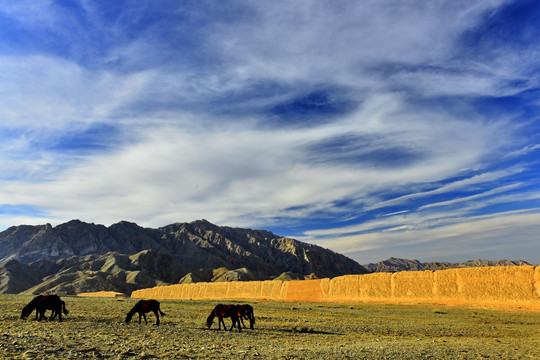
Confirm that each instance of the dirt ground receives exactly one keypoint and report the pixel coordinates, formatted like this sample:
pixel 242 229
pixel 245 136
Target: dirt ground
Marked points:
pixel 95 328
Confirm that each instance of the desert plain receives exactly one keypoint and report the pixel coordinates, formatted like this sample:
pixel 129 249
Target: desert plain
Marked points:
pixel 95 329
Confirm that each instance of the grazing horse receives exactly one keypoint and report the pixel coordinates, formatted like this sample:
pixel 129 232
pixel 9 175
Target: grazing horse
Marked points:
pixel 246 312
pixel 27 310
pixel 42 303
pixel 144 306
pixel 222 311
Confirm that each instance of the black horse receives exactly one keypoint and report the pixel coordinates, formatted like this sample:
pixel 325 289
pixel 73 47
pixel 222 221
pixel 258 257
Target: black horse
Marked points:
pixel 42 303
pixel 246 312
pixel 27 310
pixel 222 311
pixel 144 306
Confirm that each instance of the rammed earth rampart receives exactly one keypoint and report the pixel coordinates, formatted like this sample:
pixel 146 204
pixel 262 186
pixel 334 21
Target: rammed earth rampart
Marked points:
pixel 105 294
pixel 518 285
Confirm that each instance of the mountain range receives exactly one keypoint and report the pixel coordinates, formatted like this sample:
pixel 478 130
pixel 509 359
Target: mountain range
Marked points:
pixel 396 264
pixel 77 256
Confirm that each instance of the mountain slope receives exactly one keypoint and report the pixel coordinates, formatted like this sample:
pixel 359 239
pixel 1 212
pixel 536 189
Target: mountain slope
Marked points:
pixel 108 272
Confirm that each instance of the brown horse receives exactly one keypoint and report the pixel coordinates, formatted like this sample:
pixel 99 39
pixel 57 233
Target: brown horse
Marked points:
pixel 143 307
pixel 222 311
pixel 246 312
pixel 41 304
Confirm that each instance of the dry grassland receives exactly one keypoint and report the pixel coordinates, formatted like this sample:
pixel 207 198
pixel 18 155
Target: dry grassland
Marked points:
pixel 95 329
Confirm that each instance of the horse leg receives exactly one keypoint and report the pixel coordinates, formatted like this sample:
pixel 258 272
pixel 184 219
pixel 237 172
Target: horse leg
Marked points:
pixel 144 316
pixel 140 317
pixel 238 322
pixel 235 320
pixel 157 317
pixel 42 314
pixel 220 320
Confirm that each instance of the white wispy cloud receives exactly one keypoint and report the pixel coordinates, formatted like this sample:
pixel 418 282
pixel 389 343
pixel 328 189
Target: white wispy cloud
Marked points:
pixel 523 151
pixel 472 197
pixel 495 236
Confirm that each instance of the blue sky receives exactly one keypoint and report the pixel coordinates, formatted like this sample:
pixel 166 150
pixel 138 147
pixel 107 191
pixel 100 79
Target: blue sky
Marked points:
pixel 373 128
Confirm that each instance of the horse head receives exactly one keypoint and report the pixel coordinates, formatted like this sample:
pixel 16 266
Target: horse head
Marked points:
pixel 129 316
pixel 210 320
pixel 26 311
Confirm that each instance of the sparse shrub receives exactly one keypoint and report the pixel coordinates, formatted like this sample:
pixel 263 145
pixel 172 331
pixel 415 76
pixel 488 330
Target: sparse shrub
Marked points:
pixel 302 329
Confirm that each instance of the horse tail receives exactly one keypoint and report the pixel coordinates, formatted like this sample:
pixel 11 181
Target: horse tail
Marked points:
pixel 64 308
pixel 251 317
pixel 161 312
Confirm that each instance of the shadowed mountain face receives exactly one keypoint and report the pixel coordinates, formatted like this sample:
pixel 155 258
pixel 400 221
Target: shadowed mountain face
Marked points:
pixel 108 272
pixel 73 253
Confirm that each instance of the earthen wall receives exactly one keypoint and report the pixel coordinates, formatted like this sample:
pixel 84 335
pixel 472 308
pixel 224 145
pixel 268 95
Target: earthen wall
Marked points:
pixel 102 294
pixel 514 284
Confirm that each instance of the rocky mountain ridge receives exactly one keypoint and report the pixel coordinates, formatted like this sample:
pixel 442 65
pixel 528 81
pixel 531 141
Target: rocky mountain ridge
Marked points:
pixel 70 257
pixel 397 264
